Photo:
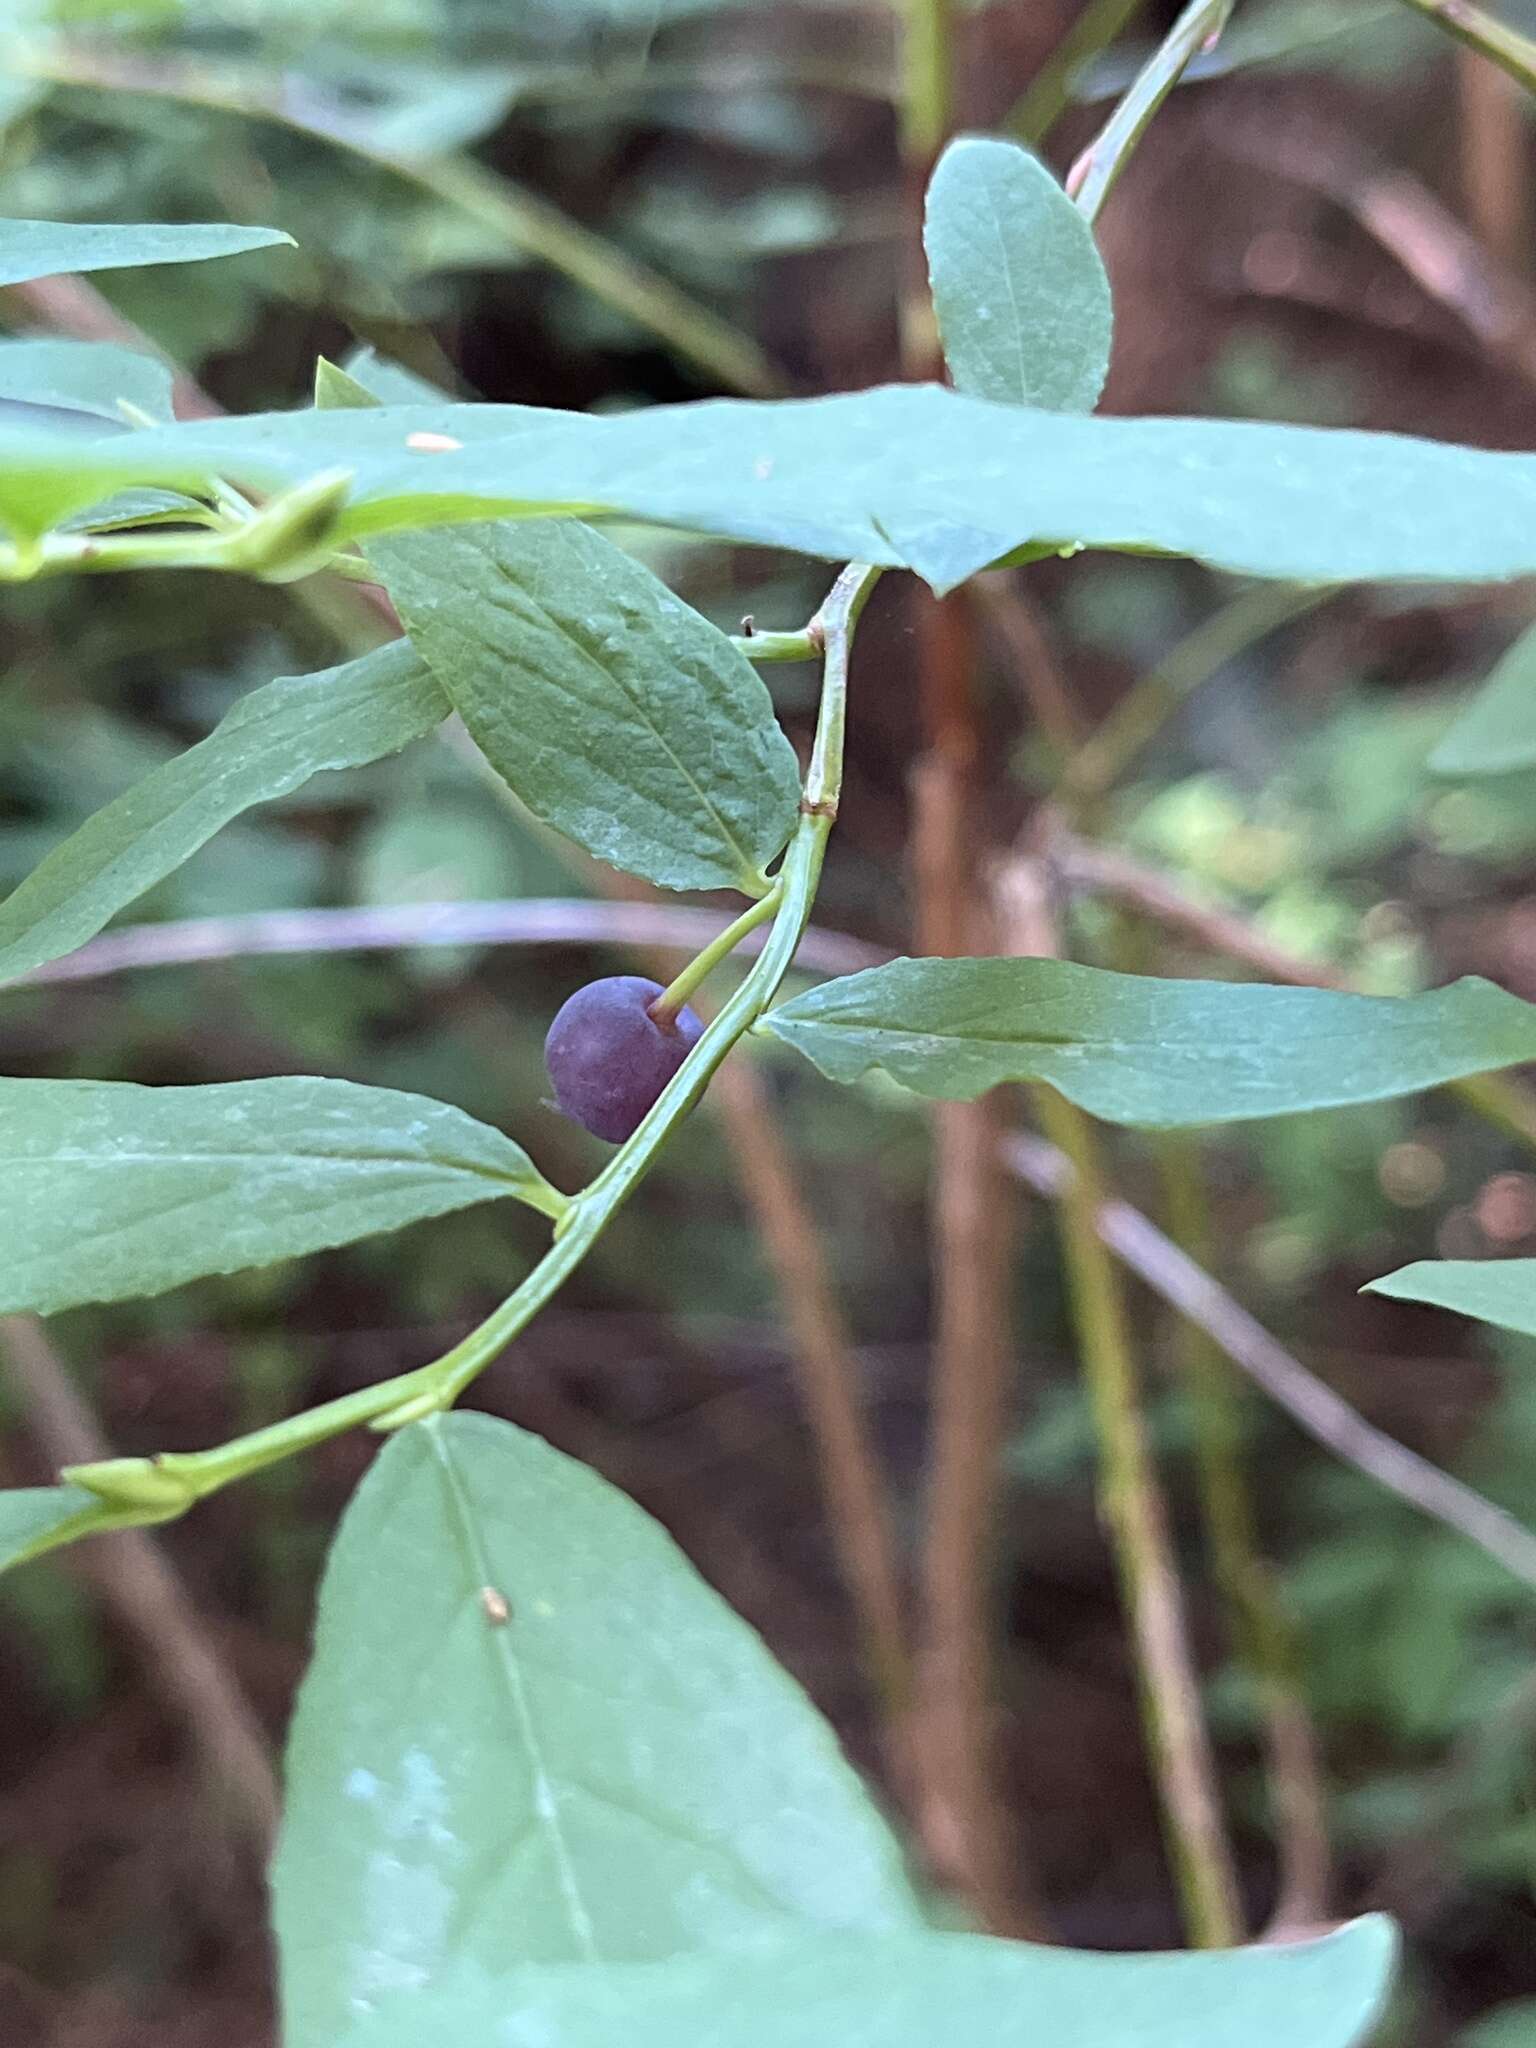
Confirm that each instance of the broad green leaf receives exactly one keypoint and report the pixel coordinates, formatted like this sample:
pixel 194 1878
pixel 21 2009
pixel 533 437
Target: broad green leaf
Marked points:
pixel 45 248
pixel 1135 1050
pixel 86 376
pixel 816 1992
pixel 1496 734
pixel 1020 292
pixel 271 743
pixel 111 1190
pixel 531 1733
pixel 39 1518
pixel 1498 1291
pixel 908 475
pixel 615 711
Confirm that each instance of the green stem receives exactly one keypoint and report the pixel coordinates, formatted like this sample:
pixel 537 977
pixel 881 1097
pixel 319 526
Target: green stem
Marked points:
pixel 927 80
pixel 1096 170
pixel 1506 47
pixel 1135 1517
pixel 1036 112
pixel 766 647
pixel 156 1488
pixel 703 964
pixel 1264 1635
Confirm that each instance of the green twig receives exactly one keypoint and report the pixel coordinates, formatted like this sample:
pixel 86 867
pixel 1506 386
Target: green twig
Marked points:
pixel 519 216
pixel 1036 112
pixel 1264 1636
pixel 1096 170
pixel 1103 758
pixel 1506 47
pixel 925 88
pixel 156 1489
pixel 775 646
pixel 1135 1517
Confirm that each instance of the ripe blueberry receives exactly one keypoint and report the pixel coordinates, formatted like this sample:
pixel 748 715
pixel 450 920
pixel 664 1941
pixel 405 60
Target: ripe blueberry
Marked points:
pixel 608 1058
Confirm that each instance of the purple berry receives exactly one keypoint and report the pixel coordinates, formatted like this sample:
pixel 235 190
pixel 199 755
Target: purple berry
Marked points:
pixel 608 1059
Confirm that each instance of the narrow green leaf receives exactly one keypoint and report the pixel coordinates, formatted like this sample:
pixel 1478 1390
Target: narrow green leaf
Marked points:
pixel 44 248
pixel 1019 289
pixel 1135 1050
pixel 911 1993
pixel 615 711
pixel 86 376
pixel 109 1190
pixel 1496 734
pixel 1498 1291
pixel 40 1518
pixel 271 743
pixel 531 1732
pixel 907 475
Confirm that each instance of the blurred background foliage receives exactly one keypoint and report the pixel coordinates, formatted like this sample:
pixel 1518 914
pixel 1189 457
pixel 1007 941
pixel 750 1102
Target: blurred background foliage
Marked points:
pixel 614 202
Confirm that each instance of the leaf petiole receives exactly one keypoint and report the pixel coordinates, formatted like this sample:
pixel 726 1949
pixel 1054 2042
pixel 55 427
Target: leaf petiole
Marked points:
pixel 678 990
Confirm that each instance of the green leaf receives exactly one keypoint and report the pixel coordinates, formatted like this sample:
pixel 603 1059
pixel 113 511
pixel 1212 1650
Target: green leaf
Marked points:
pixel 814 1992
pixel 271 743
pixel 336 390
pixel 45 248
pixel 1498 1291
pixel 613 709
pixel 1496 734
pixel 1021 295
pixel 1135 1050
pixel 87 376
pixel 39 1518
pixel 908 475
pixel 616 1769
pixel 111 1190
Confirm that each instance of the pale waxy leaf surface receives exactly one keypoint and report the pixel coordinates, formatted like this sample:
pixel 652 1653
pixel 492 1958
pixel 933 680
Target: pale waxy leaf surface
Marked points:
pixel 1136 1050
pixel 34 1519
pixel 1018 286
pixel 270 744
pixel 45 248
pixel 1498 1291
pixel 109 1189
pixel 531 1733
pixel 816 1992
pixel 88 376
pixel 614 710
pixel 906 475
pixel 1496 734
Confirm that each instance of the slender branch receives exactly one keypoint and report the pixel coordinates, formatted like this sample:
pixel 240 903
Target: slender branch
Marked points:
pixel 1104 757
pixel 1032 661
pixel 523 921
pixel 1096 170
pixel 1309 1401
pixel 1506 47
pixel 853 1485
pixel 1265 1636
pixel 137 1581
pixel 1132 1506
pixel 1032 117
pixel 526 221
pixel 1485 292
